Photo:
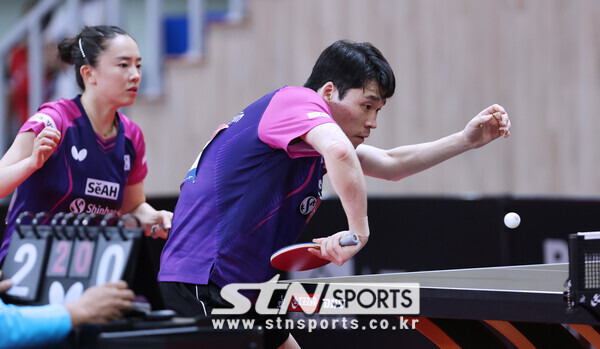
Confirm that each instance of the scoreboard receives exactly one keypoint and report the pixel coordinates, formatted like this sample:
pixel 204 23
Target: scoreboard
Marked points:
pixel 53 259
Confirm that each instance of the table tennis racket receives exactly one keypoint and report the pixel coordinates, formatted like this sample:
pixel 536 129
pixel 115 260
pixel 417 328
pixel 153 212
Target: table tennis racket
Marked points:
pixel 297 257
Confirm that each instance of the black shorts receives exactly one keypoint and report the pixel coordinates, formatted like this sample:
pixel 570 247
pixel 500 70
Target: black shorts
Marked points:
pixel 198 301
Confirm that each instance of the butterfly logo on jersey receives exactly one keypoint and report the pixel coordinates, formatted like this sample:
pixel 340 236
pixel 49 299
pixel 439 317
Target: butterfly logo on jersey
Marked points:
pixel 78 155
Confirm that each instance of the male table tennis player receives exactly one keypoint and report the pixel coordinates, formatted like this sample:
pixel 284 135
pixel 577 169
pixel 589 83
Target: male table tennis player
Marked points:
pixel 250 190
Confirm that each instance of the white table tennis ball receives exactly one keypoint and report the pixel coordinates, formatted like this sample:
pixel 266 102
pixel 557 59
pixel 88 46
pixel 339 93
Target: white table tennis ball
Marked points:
pixel 512 220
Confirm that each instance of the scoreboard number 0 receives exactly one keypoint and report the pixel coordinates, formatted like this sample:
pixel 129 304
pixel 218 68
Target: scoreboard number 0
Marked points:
pixel 115 254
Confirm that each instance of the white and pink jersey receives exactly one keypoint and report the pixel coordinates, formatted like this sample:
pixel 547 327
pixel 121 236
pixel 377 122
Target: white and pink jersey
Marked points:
pixel 86 173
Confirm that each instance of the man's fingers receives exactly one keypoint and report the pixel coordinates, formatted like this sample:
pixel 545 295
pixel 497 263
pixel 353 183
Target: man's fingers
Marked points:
pixel 5 285
pixel 316 252
pixel 159 231
pixel 319 240
pixel 494 108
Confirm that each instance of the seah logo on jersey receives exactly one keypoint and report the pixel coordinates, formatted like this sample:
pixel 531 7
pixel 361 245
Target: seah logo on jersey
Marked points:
pixel 318 114
pixel 102 189
pixel 43 118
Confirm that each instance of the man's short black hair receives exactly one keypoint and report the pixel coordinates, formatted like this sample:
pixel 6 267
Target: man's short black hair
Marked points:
pixel 352 65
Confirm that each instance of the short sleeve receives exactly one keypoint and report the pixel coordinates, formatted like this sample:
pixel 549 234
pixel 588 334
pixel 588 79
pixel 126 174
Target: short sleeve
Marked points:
pixel 46 117
pixel 58 115
pixel 292 112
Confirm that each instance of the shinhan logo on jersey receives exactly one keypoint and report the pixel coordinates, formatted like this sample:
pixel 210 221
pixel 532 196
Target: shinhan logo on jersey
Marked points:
pixel 77 205
pixel 307 205
pixel 102 189
pixel 317 114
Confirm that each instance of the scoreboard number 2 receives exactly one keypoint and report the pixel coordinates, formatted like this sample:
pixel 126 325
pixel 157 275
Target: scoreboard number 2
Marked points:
pixel 27 255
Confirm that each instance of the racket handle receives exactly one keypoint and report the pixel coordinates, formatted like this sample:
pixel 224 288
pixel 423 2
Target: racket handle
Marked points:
pixel 349 239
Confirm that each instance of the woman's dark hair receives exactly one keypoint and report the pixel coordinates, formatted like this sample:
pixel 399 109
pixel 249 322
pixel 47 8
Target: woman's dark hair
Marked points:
pixel 352 65
pixel 86 47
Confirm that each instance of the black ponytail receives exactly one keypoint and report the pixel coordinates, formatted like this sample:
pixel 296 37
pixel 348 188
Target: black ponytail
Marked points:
pixel 86 47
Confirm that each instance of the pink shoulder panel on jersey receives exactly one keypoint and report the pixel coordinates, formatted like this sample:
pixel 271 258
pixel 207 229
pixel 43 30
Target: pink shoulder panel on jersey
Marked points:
pixel 58 115
pixel 292 112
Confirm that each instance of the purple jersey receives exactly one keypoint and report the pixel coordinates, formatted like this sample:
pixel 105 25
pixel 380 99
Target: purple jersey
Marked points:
pixel 85 173
pixel 250 192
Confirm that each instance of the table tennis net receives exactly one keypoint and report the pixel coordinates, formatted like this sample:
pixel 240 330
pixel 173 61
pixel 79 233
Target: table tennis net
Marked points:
pixel 591 270
pixel 584 271
pixel 584 260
